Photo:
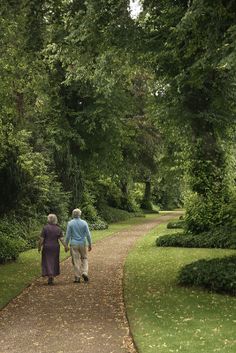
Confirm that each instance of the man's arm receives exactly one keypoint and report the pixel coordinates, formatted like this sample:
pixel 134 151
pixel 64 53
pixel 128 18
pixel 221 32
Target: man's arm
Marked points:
pixel 89 238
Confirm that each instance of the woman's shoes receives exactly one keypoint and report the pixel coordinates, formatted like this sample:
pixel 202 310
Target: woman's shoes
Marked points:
pixel 77 280
pixel 50 281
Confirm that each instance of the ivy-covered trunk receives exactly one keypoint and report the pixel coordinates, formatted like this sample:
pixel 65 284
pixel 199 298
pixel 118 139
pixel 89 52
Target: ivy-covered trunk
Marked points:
pixel 208 179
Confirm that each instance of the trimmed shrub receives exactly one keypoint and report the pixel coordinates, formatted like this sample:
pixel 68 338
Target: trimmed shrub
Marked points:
pixel 218 238
pixel 176 225
pixel 153 211
pixel 218 275
pixel 10 248
pixel 112 215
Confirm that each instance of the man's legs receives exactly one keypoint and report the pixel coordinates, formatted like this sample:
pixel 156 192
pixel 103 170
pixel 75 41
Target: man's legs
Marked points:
pixel 84 261
pixel 75 254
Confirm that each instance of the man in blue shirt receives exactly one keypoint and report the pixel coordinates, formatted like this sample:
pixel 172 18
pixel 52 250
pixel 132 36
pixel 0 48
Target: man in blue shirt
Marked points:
pixel 79 238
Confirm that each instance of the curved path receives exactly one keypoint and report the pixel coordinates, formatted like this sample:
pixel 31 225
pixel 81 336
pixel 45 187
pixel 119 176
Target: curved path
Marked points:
pixel 76 318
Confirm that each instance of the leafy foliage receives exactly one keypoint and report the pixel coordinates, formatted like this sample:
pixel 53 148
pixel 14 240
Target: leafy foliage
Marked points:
pixel 194 88
pixel 221 237
pixel 93 103
pixel 10 248
pixel 112 215
pixel 218 275
pixel 175 224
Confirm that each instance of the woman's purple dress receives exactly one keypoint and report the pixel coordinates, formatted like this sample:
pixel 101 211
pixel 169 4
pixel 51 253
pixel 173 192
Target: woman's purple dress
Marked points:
pixel 51 233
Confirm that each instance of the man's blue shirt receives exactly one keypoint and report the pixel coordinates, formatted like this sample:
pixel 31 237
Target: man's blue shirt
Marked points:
pixel 78 232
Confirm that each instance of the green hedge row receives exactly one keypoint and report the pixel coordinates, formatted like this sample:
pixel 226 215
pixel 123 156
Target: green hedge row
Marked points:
pixel 113 215
pixel 218 275
pixel 218 238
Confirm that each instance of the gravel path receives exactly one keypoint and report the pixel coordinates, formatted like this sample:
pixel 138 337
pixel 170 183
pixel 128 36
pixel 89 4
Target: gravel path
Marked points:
pixel 76 318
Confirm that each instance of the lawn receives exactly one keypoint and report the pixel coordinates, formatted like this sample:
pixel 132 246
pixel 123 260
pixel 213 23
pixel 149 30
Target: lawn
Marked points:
pixel 165 317
pixel 15 276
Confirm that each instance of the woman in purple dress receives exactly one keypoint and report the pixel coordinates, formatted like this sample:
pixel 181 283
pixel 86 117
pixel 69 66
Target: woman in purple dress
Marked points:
pixel 49 244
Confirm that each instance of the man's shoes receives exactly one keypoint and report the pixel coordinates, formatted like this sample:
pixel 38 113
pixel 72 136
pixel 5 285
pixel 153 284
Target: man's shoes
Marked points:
pixel 85 277
pixel 77 280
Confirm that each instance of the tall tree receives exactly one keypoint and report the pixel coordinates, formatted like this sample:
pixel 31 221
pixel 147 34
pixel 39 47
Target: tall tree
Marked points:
pixel 196 89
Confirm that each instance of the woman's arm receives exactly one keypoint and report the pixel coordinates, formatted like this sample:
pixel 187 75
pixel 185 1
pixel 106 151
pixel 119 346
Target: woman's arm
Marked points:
pixel 64 244
pixel 40 243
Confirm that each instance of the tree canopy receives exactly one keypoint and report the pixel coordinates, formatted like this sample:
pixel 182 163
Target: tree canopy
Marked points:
pixel 99 108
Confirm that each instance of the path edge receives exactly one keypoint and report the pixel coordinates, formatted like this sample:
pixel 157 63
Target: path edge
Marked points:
pixel 130 333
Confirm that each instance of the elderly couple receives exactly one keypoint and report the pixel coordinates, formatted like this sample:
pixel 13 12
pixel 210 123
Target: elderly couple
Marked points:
pixel 77 236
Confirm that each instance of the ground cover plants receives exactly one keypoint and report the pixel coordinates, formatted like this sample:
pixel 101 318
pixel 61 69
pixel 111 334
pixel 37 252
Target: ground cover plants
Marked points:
pixel 165 317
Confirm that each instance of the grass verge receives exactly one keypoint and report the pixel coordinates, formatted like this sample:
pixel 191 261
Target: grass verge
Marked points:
pixel 15 276
pixel 165 317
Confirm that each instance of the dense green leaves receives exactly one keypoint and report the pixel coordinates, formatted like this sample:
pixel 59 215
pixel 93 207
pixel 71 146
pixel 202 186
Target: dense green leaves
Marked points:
pixel 221 237
pixel 217 275
pixel 93 102
pixel 191 52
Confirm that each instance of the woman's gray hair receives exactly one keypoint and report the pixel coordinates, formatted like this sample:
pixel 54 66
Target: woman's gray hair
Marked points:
pixel 76 213
pixel 52 218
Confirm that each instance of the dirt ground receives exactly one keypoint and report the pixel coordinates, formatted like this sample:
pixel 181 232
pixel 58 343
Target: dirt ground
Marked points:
pixel 76 318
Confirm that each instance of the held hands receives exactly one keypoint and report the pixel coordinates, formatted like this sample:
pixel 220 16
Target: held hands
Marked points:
pixel 66 248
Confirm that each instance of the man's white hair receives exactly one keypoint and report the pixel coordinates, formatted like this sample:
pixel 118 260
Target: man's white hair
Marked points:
pixel 52 218
pixel 76 213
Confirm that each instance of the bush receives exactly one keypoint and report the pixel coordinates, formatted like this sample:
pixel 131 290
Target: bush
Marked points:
pixel 16 236
pixel 10 248
pixel 218 275
pixel 147 205
pixel 203 213
pixel 175 225
pixel 112 215
pixel 33 237
pixel 98 225
pixel 229 211
pixel 217 238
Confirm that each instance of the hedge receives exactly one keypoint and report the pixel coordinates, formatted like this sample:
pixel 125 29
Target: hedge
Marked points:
pixel 217 238
pixel 113 215
pixel 218 275
pixel 10 248
pixel 176 225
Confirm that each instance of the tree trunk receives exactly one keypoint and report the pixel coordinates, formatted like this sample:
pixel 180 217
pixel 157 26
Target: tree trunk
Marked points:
pixel 146 203
pixel 207 171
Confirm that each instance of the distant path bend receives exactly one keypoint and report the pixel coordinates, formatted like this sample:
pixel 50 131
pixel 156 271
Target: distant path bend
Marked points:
pixel 76 318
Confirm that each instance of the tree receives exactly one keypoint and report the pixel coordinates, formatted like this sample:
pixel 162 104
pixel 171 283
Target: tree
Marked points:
pixel 196 89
